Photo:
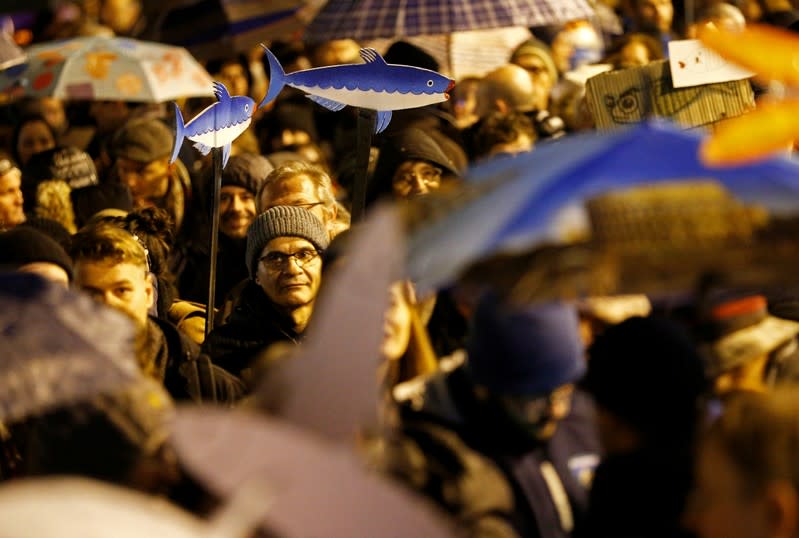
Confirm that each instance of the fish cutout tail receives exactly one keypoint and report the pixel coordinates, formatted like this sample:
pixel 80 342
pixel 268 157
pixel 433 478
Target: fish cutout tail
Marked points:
pixel 180 130
pixel 277 78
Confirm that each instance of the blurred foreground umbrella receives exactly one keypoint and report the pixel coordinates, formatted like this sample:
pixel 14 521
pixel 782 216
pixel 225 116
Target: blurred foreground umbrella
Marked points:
pixel 536 199
pixel 57 347
pixel 82 508
pixel 371 19
pixel 10 53
pixel 462 54
pixel 316 488
pixel 329 384
pixel 113 69
pixel 213 29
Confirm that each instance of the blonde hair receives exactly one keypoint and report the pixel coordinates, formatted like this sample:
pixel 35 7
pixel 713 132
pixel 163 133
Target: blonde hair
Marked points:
pixel 53 202
pixel 759 433
pixel 419 358
pixel 105 241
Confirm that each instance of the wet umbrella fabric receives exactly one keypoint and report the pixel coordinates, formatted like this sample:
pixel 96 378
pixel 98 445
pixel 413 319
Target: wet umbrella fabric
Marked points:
pixel 58 347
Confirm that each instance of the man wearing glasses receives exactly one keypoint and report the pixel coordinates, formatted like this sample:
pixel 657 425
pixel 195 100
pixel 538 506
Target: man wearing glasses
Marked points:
pixel 303 185
pixel 285 267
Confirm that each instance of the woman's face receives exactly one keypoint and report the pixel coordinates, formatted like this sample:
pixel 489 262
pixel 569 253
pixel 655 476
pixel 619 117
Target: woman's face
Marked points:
pixel 397 322
pixel 35 136
pixel 721 506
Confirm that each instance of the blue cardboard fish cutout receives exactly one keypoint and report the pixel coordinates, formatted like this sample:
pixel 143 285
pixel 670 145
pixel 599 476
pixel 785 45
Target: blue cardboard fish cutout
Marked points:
pixel 217 126
pixel 376 85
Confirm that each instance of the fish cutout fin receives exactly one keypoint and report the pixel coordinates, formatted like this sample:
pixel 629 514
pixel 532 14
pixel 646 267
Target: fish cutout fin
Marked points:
pixel 383 119
pixel 180 133
pixel 220 91
pixel 202 148
pixel 226 153
pixel 371 56
pixel 329 104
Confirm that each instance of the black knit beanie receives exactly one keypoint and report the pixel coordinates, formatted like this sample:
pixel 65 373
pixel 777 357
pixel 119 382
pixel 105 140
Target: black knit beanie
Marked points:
pixel 247 171
pixel 283 221
pixel 23 245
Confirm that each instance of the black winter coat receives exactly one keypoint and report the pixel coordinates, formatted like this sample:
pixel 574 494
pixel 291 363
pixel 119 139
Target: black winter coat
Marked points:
pixel 254 325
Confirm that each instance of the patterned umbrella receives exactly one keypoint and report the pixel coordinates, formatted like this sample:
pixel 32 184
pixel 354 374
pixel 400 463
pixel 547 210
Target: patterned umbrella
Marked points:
pixel 371 19
pixel 102 68
pixel 465 54
pixel 57 347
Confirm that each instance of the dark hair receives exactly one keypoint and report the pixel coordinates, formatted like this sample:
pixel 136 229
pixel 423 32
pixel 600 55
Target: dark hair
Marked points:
pixel 501 128
pixel 23 121
pixel 653 46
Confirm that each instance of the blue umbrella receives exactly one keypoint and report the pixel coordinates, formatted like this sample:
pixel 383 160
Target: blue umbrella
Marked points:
pixel 520 200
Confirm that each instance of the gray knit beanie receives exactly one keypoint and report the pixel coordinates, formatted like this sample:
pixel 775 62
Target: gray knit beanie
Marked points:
pixel 283 221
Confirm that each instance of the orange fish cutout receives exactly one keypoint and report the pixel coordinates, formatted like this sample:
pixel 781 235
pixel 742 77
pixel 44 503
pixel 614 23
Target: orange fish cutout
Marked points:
pixel 773 54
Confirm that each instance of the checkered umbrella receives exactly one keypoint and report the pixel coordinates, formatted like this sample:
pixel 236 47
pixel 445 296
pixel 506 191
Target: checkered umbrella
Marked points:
pixel 371 19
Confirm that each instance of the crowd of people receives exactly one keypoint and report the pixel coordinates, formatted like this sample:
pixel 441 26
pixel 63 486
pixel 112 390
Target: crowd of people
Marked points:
pixel 610 417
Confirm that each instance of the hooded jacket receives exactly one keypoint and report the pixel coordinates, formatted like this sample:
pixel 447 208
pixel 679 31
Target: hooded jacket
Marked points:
pixel 471 460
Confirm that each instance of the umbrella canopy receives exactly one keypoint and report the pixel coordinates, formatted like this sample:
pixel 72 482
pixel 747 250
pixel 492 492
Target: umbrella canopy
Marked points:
pixel 113 69
pixel 83 508
pixel 371 19
pixel 462 54
pixel 316 488
pixel 57 347
pixel 518 203
pixel 213 29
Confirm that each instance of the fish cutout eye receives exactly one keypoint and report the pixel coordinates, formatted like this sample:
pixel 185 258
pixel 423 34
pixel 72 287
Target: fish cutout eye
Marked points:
pixel 429 83
pixel 246 108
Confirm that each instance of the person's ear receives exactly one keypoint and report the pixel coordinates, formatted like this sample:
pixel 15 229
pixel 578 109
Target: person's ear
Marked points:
pixel 149 289
pixel 781 509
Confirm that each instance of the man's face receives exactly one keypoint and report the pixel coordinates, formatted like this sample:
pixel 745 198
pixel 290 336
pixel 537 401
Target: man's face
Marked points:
pixel 540 415
pixel 236 211
pixel 289 271
pixel 53 112
pixel 297 191
pixel 148 181
pixel 414 178
pixel 655 15
pixel 541 77
pixel 124 286
pixel 11 212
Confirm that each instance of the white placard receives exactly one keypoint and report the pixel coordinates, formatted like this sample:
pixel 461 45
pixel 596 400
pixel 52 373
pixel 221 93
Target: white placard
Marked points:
pixel 693 64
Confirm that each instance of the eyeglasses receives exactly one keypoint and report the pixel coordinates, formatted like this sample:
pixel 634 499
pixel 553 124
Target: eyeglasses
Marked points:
pixel 276 261
pixel 309 205
pixel 430 176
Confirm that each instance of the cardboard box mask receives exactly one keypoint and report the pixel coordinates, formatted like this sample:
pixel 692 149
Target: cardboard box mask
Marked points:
pixel 631 95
